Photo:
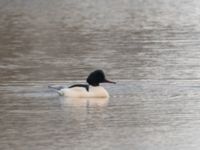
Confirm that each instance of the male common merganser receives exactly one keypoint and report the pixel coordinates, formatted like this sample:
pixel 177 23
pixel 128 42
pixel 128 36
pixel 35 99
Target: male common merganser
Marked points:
pixel 90 90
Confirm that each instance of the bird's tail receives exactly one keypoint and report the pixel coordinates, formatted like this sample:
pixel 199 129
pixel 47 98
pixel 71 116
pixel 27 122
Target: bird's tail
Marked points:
pixel 57 89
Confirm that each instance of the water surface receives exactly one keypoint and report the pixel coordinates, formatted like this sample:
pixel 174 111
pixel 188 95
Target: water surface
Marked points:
pixel 139 115
pixel 66 39
pixel 151 48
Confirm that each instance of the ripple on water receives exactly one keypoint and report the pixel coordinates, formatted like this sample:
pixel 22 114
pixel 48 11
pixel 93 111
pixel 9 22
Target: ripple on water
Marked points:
pixel 146 111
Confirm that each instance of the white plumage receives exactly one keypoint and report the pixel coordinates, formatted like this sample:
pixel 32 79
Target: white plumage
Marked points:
pixel 80 92
pixel 90 90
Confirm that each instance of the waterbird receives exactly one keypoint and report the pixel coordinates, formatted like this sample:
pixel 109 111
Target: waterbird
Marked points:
pixel 90 90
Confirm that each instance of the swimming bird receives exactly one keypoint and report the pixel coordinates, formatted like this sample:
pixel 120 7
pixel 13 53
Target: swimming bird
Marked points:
pixel 90 90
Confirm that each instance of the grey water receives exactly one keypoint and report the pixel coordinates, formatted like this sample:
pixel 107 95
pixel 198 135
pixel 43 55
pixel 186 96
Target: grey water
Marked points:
pixel 150 48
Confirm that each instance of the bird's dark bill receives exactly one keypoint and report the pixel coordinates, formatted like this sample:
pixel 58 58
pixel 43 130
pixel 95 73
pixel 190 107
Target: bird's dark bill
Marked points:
pixel 108 81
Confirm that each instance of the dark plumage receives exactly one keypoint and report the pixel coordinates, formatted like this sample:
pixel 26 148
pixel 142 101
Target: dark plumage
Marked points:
pixel 94 79
pixel 97 77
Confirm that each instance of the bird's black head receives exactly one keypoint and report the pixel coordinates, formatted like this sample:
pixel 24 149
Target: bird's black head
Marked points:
pixel 97 77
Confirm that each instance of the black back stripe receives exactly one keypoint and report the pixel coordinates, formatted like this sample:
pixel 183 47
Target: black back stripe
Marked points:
pixel 86 86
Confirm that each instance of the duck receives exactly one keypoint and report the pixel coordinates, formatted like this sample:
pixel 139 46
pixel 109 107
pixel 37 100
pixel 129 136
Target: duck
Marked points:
pixel 92 89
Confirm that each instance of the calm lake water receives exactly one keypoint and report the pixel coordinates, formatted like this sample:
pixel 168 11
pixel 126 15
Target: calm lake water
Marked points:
pixel 150 47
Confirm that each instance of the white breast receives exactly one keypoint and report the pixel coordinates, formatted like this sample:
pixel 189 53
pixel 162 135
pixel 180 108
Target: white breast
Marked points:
pixel 94 92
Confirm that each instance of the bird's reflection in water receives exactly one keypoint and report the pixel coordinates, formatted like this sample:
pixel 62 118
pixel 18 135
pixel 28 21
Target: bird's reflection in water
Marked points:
pixel 84 114
pixel 85 102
